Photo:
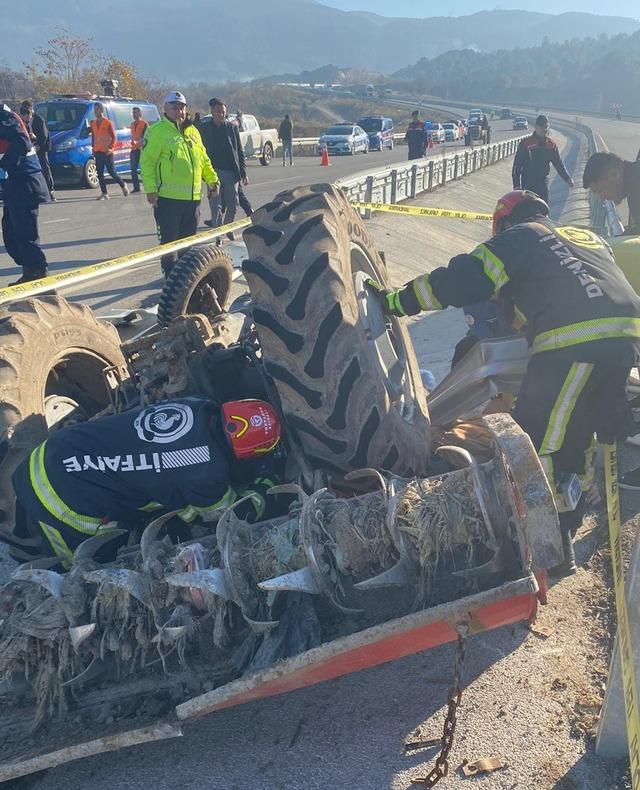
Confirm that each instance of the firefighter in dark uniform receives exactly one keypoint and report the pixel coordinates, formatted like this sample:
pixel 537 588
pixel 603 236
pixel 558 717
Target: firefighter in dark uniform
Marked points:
pixel 24 191
pixel 533 160
pixel 582 321
pixel 191 455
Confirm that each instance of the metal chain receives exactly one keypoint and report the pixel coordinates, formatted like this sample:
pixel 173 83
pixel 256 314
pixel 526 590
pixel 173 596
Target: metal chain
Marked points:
pixel 441 768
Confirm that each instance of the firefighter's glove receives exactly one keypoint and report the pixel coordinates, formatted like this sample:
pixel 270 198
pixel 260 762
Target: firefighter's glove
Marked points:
pixel 387 298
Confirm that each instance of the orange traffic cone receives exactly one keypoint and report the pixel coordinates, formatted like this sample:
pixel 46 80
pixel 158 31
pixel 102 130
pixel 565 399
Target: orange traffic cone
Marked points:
pixel 431 143
pixel 325 158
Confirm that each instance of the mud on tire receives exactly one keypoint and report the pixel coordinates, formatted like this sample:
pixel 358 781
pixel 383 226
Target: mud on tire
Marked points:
pixel 351 390
pixel 187 287
pixel 52 354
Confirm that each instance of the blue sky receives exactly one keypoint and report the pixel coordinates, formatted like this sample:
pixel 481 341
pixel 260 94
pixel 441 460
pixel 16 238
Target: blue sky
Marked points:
pixel 423 8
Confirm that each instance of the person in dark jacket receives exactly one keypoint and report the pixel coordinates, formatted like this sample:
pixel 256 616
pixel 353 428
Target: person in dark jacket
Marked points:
pixel 611 178
pixel 285 135
pixel 582 322
pixel 416 137
pixel 534 157
pixel 24 191
pixel 190 454
pixel 41 138
pixel 221 139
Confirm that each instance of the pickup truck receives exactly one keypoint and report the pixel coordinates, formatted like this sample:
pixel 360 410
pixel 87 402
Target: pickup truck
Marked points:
pixel 257 143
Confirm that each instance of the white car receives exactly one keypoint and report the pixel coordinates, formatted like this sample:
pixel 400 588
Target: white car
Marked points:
pixel 257 143
pixel 344 138
pixel 451 132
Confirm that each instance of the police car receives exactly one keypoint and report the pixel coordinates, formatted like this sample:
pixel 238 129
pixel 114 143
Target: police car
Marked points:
pixel 69 116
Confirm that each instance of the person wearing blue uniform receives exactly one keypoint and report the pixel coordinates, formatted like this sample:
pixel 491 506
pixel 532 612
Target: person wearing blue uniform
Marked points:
pixel 190 455
pixel 23 192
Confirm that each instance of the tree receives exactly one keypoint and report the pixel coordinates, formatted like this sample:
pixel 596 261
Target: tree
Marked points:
pixel 67 64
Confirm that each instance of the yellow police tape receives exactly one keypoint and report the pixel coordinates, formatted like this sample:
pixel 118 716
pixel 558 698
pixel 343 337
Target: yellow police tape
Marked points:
pixel 14 292
pixel 629 688
pixel 395 208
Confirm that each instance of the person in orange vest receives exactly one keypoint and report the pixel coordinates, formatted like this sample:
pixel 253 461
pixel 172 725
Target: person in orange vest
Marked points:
pixel 103 140
pixel 138 129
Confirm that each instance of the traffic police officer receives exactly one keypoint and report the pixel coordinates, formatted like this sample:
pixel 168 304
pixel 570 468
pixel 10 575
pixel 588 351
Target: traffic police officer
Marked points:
pixel 189 454
pixel 24 190
pixel 582 320
pixel 173 165
pixel 534 156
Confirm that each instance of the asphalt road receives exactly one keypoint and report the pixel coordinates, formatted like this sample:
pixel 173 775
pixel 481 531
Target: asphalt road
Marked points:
pixel 78 230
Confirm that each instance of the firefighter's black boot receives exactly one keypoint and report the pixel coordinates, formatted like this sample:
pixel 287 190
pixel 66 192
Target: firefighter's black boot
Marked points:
pixel 569 523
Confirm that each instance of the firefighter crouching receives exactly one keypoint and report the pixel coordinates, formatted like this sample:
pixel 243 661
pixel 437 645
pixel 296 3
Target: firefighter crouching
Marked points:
pixel 190 455
pixel 582 322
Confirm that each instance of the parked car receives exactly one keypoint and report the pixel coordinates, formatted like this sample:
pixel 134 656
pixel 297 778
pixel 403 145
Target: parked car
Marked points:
pixel 451 131
pixel 68 118
pixel 380 131
pixel 344 138
pixel 520 122
pixel 435 131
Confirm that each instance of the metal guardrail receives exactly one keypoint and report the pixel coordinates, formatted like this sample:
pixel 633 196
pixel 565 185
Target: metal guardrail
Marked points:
pixel 388 185
pixel 404 182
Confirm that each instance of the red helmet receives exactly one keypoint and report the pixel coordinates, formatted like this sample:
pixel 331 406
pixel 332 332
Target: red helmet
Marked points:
pixel 252 427
pixel 527 203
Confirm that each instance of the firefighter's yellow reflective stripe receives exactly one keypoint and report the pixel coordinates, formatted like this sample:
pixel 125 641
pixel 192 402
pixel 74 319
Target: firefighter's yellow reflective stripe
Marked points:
pixel 424 293
pixel 190 512
pixel 492 266
pixel 625 643
pixel 394 304
pixel 150 506
pixel 58 544
pixel 586 332
pixel 50 500
pixel 564 406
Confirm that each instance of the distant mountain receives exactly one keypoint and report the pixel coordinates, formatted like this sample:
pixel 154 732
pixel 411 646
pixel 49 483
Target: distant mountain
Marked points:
pixel 214 40
pixel 591 74
pixel 324 75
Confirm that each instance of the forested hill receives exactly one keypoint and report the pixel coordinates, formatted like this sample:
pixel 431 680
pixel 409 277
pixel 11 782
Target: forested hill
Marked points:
pixel 590 73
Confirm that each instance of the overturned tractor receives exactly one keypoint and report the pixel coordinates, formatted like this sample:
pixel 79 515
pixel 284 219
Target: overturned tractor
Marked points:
pixel 391 545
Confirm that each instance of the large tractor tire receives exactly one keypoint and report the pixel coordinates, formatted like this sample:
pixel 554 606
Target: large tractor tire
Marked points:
pixel 198 275
pixel 52 357
pixel 348 380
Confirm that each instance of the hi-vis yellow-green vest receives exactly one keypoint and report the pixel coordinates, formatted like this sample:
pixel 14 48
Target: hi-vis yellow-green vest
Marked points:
pixel 174 163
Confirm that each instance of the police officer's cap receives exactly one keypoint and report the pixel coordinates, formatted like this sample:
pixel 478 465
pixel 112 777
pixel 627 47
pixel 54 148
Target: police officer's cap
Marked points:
pixel 175 97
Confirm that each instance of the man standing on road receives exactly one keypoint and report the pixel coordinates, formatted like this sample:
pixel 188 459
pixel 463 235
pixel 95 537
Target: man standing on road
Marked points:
pixel 416 138
pixel 582 323
pixel 103 141
pixel 221 139
pixel 138 128
pixel 173 164
pixel 41 139
pixel 611 178
pixel 285 135
pixel 24 190
pixel 533 160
